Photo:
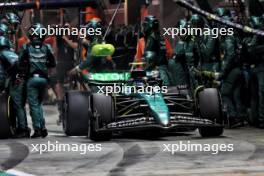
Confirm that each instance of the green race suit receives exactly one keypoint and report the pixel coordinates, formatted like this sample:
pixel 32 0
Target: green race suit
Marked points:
pixel 36 61
pixel 2 78
pixel 256 52
pixel 156 43
pixel 8 62
pixel 177 66
pixel 208 53
pixel 9 67
pixel 232 77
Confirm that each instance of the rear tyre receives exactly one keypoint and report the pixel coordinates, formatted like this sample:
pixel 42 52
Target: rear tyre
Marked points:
pixel 76 113
pixel 5 118
pixel 210 107
pixel 103 114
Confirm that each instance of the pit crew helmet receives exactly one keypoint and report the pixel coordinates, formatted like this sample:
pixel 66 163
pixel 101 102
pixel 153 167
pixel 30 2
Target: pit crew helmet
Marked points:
pixel 12 21
pixel 95 24
pixel 183 23
pixel 221 12
pixel 12 18
pixel 3 29
pixel 255 22
pixel 35 34
pixel 197 21
pixel 150 24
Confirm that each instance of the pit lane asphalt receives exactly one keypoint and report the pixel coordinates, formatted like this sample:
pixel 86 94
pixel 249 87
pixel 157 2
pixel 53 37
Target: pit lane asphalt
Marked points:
pixel 129 155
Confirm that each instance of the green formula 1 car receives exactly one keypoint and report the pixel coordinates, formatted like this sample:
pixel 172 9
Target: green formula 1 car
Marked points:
pixel 98 112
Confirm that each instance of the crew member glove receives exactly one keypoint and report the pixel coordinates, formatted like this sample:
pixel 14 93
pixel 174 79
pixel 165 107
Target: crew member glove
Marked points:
pixel 218 76
pixel 75 70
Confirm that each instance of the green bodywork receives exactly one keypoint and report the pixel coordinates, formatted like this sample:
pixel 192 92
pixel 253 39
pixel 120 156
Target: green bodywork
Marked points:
pixel 159 108
pixel 156 103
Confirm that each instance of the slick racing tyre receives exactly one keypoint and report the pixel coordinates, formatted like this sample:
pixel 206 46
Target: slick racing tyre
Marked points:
pixel 5 117
pixel 209 103
pixel 76 113
pixel 103 114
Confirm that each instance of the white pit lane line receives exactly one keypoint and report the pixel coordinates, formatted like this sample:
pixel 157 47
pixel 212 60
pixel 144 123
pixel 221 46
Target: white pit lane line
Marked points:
pixel 17 173
pixel 56 134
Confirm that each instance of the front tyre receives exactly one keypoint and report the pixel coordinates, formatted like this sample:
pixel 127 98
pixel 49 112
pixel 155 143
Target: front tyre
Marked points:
pixel 210 107
pixel 103 114
pixel 76 113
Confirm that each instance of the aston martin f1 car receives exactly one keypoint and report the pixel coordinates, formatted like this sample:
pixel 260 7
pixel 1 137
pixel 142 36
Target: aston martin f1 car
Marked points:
pixel 99 113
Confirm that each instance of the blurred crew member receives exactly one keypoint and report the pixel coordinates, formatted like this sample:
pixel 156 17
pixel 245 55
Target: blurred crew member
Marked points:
pixel 207 50
pixel 37 60
pixel 94 63
pixel 153 41
pixel 255 48
pixel 64 47
pixel 231 74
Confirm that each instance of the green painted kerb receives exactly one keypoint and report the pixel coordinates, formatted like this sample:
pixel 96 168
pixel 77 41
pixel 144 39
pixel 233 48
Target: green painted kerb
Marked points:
pixel 5 174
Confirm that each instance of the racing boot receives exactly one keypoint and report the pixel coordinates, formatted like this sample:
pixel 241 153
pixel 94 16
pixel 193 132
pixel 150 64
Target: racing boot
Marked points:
pixel 40 133
pixel 234 122
pixel 261 125
pixel 44 132
pixel 22 133
pixel 37 133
